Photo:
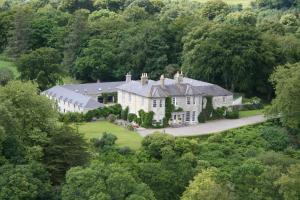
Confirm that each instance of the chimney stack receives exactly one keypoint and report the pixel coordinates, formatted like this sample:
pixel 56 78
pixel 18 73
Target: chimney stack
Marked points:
pixel 144 78
pixel 178 77
pixel 162 80
pixel 128 77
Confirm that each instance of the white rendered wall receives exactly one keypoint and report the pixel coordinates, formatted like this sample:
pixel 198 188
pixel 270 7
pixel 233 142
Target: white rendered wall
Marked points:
pixel 220 101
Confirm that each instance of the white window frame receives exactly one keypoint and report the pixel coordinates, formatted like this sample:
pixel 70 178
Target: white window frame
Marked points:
pixel 187 116
pixel 224 99
pixel 193 116
pixel 160 103
pixel 188 100
pixel 194 100
pixel 154 103
pixel 174 102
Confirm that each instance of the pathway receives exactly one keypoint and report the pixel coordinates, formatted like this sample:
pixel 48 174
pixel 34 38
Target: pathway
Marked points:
pixel 208 127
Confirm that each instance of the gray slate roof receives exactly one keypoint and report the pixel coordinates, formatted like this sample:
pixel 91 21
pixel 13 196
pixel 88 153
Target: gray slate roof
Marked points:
pixel 94 88
pixel 187 87
pixel 61 93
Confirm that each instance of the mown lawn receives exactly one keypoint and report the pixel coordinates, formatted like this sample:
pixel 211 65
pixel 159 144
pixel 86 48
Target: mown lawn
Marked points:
pixel 125 137
pixel 249 113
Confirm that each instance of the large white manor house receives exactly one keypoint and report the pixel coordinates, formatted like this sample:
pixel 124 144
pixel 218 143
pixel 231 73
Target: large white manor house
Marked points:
pixel 144 94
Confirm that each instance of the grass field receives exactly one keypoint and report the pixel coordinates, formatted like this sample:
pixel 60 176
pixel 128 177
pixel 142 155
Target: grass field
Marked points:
pixel 4 62
pixel 249 113
pixel 125 137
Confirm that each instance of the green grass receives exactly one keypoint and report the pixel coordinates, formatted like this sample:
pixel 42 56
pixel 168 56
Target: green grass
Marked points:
pixel 125 137
pixel 70 80
pixel 4 62
pixel 249 113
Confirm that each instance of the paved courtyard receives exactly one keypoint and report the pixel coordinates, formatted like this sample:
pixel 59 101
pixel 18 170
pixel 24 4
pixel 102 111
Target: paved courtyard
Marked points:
pixel 207 128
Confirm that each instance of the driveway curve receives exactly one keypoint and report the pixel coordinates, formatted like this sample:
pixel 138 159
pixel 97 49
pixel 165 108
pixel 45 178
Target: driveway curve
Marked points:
pixel 208 127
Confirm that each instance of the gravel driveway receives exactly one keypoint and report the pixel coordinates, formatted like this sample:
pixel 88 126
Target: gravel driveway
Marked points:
pixel 208 127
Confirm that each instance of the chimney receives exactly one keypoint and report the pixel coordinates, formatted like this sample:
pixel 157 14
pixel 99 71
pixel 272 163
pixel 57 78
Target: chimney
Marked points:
pixel 178 77
pixel 144 78
pixel 98 80
pixel 128 77
pixel 162 81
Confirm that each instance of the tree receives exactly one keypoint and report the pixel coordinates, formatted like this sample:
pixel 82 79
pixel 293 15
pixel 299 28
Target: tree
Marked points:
pixel 289 183
pixel 229 55
pixel 66 148
pixel 6 19
pixel 155 143
pixel 97 61
pixel 49 28
pixel 75 40
pixel 241 18
pixel 73 5
pixel 42 66
pixel 28 182
pixel 147 51
pixel 100 181
pixel 247 179
pixel 18 42
pixel 287 89
pixel 112 5
pixel 276 137
pixel 106 143
pixel 24 121
pixel 276 4
pixel 204 186
pixel 6 75
pixel 213 8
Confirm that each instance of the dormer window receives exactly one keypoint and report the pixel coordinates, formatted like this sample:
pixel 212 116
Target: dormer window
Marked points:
pixel 174 101
pixel 154 103
pixel 188 100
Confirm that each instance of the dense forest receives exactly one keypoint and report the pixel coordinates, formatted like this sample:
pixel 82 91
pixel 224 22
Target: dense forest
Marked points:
pixel 254 50
pixel 92 40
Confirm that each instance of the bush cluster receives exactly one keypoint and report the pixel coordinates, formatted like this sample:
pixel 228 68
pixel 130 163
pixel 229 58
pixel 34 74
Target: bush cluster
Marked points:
pixel 109 112
pixel 232 114
pixel 209 113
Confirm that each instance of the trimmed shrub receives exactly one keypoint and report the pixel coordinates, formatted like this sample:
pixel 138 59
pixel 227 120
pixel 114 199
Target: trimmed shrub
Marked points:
pixel 71 117
pixel 147 119
pixel 125 151
pixel 234 114
pixel 105 143
pixel 131 117
pixel 201 117
pixel 124 113
pixel 219 113
pixel 111 118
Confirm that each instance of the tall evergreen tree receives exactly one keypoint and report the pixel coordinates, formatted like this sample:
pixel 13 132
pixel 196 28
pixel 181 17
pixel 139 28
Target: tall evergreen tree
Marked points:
pixel 20 34
pixel 75 39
